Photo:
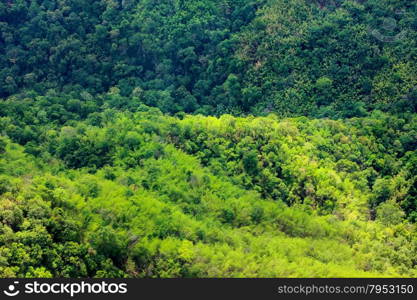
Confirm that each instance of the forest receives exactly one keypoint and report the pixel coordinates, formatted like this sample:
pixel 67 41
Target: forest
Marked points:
pixel 208 138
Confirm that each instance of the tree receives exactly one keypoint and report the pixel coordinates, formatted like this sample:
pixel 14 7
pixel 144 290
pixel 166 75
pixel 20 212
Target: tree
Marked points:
pixel 390 213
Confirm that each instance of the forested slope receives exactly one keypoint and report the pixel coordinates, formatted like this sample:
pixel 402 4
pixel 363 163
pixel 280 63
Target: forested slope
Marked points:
pixel 300 57
pixel 231 138
pixel 142 194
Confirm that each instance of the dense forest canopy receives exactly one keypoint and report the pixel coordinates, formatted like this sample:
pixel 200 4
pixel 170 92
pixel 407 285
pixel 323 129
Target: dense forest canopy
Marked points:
pixel 319 58
pixel 202 138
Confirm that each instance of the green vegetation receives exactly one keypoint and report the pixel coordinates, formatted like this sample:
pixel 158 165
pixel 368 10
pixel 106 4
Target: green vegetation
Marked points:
pixel 202 138
pixel 147 195
pixel 299 57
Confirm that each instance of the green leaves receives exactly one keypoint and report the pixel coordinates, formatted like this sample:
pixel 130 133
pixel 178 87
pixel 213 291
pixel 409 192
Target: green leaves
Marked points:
pixel 204 196
pixel 103 185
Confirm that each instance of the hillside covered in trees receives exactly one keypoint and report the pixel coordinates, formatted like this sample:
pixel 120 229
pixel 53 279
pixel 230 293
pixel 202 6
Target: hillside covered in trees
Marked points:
pixel 203 138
